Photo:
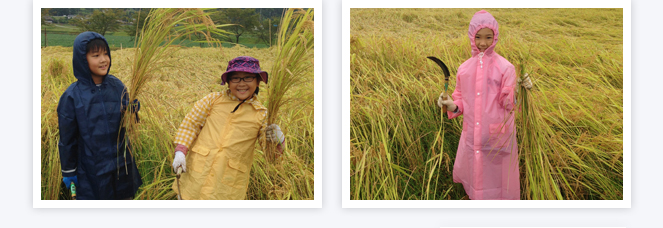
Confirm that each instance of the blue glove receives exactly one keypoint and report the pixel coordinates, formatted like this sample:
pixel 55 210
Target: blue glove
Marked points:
pixel 67 181
pixel 135 103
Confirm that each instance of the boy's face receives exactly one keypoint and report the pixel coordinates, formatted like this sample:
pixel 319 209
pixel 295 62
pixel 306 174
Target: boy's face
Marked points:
pixel 483 39
pixel 98 61
pixel 243 89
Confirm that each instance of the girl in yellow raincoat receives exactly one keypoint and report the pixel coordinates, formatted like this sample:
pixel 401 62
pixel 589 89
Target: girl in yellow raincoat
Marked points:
pixel 221 131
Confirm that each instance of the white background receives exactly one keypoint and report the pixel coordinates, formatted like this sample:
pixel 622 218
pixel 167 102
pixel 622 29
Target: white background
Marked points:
pixel 16 156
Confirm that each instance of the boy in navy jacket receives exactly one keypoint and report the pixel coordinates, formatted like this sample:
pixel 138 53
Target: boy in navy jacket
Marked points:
pixel 92 146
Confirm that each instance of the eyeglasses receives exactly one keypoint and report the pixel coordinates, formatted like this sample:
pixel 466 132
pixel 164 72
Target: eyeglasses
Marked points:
pixel 245 79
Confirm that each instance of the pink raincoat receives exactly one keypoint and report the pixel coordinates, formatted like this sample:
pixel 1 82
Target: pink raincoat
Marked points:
pixel 487 157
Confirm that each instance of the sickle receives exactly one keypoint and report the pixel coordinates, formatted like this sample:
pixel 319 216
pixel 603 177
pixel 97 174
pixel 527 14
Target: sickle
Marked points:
pixel 446 77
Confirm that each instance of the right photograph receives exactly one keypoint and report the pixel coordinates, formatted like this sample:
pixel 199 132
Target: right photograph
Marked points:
pixel 487 104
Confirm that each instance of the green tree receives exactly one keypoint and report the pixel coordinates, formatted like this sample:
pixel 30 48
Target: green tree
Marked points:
pixel 245 20
pixel 101 21
pixel 136 20
pixel 44 14
pixel 267 30
pixel 270 12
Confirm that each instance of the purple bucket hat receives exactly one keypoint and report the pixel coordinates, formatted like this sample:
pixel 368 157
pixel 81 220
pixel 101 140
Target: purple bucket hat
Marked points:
pixel 244 64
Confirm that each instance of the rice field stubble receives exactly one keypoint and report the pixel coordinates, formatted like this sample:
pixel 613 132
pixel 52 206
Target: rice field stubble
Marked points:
pixel 570 125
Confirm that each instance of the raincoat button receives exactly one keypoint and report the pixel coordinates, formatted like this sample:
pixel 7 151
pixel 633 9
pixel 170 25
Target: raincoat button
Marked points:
pixel 477 151
pixel 478 94
pixel 477 123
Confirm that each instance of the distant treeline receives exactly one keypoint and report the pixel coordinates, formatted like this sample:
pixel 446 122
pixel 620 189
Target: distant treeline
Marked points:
pixel 259 25
pixel 263 12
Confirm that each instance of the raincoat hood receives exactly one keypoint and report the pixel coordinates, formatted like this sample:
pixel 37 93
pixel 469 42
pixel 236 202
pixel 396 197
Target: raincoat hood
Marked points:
pixel 79 63
pixel 483 19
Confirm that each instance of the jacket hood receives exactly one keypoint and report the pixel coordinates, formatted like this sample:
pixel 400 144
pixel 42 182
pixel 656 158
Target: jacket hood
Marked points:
pixel 483 19
pixel 79 63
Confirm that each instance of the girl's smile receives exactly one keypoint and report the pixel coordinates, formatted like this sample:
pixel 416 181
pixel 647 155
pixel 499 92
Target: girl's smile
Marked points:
pixel 483 39
pixel 242 84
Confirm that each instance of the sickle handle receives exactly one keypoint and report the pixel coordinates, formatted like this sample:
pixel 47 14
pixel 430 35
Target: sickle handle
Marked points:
pixel 444 98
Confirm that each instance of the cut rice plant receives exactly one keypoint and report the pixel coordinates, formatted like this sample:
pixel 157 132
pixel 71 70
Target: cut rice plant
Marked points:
pixel 161 29
pixel 292 64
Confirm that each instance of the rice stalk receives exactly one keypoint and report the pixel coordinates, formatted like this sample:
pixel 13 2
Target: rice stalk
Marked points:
pixel 293 61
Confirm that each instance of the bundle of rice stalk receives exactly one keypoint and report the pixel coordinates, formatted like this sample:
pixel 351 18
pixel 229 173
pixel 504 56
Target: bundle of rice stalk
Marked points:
pixel 293 61
pixel 541 179
pixel 161 29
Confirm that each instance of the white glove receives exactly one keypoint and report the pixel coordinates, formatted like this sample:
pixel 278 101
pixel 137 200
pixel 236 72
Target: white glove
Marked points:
pixel 448 102
pixel 525 81
pixel 179 160
pixel 274 134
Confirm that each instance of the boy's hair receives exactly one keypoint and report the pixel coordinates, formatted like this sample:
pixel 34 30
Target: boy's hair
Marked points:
pixel 257 78
pixel 96 45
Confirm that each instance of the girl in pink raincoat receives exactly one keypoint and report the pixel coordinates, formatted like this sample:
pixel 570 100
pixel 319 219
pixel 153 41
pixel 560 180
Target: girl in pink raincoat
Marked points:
pixel 487 157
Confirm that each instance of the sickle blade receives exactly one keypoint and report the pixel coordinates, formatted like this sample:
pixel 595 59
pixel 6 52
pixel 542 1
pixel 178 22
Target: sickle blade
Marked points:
pixel 445 69
pixel 442 65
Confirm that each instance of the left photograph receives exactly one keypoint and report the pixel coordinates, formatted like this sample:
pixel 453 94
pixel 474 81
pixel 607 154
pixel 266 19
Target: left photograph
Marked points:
pixel 177 104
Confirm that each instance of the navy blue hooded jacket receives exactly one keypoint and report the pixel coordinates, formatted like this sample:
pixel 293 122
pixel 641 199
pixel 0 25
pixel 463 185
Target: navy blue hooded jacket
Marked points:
pixel 92 145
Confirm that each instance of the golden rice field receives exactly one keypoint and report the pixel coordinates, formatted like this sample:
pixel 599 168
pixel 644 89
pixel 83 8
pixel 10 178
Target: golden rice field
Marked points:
pixel 186 77
pixel 570 125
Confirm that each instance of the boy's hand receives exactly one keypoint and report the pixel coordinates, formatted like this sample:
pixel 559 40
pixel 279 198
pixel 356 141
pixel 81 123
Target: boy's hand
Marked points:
pixel 274 134
pixel 135 104
pixel 448 102
pixel 179 160
pixel 67 181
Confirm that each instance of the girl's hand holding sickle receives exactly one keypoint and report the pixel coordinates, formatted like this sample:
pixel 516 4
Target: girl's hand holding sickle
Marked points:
pixel 179 164
pixel 445 101
pixel 179 160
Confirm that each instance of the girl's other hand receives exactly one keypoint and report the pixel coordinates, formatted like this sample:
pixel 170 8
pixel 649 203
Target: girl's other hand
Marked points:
pixel 525 81
pixel 274 134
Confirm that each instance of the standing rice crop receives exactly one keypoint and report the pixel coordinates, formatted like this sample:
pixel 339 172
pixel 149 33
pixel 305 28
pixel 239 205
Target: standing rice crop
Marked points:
pixel 569 126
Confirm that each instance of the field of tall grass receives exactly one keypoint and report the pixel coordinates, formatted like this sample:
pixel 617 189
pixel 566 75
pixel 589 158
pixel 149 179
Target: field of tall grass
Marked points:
pixel 186 77
pixel 570 125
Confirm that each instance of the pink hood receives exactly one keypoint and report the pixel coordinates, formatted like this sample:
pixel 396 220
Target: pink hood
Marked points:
pixel 483 19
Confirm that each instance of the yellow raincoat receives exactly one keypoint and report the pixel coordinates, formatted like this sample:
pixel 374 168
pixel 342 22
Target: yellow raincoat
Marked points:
pixel 221 146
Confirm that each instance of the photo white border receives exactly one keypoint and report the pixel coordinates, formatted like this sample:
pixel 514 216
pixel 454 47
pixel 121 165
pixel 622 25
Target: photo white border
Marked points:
pixel 36 105
pixel 347 203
